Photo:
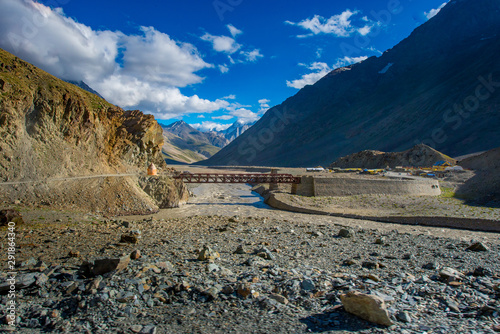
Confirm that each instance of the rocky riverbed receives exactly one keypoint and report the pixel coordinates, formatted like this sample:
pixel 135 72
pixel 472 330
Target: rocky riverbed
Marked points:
pixel 267 272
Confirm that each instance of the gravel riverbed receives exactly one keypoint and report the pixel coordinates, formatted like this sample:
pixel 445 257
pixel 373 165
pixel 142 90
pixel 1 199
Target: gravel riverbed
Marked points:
pixel 225 263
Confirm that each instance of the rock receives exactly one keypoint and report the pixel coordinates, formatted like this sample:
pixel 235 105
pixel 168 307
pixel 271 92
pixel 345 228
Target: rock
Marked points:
pixel 212 267
pixel 244 290
pixel 227 290
pixel 403 316
pixel 130 238
pixel 104 266
pixel 349 262
pixel 480 272
pixel 450 274
pixel 94 285
pixel 20 281
pixel 150 329
pixel 167 265
pixel 264 253
pixel 344 233
pixel 307 285
pixel 240 250
pixel 10 215
pixel 208 254
pixel 136 254
pixel 430 266
pixel 74 253
pixel 478 247
pixel 136 328
pixel 370 265
pixel 368 307
pixel 380 241
pixel 279 298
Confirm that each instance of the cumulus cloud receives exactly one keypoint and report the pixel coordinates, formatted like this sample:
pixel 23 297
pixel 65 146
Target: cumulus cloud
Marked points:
pixel 321 69
pixel 139 71
pixel 264 105
pixel 434 12
pixel 210 126
pixel 245 115
pixel 340 25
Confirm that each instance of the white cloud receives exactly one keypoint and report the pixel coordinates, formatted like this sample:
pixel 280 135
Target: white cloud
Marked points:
pixel 338 25
pixel 245 115
pixel 223 117
pixel 320 70
pixel 229 97
pixel 233 30
pixel 210 126
pixel 222 43
pixel 229 46
pixel 251 56
pixel 223 68
pixel 264 105
pixel 200 116
pixel 140 71
pixel 434 12
pixel 346 61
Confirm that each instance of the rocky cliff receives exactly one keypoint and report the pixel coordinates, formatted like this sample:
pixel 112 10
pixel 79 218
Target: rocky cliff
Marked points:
pixel 418 156
pixel 439 86
pixel 51 129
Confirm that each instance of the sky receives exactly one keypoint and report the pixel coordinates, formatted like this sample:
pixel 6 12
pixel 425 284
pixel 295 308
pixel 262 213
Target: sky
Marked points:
pixel 207 62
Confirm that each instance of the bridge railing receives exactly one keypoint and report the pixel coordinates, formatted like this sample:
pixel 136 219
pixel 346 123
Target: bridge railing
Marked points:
pixel 237 178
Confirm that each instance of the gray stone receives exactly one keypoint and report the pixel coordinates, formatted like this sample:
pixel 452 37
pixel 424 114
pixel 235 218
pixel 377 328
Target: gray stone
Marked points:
pixel 344 233
pixel 307 285
pixel 207 254
pixel 478 247
pixel 403 316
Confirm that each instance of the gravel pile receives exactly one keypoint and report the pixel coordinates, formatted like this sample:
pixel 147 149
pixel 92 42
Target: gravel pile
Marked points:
pixel 251 275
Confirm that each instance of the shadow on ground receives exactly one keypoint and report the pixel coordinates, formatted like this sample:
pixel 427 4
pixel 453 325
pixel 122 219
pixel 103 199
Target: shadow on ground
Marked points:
pixel 332 321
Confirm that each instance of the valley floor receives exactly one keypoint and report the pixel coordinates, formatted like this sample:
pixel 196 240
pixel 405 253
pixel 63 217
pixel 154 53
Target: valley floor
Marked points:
pixel 293 285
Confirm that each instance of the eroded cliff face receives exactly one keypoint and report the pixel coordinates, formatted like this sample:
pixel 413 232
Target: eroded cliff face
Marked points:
pixel 52 129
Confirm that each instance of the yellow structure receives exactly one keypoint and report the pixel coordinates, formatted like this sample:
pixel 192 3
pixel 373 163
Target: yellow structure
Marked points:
pixel 152 169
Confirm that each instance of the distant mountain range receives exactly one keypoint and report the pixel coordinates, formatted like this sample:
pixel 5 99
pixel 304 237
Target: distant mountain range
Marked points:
pixel 440 86
pixel 185 144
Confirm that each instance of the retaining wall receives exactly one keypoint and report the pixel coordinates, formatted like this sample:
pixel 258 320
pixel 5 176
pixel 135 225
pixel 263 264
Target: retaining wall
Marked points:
pixel 340 186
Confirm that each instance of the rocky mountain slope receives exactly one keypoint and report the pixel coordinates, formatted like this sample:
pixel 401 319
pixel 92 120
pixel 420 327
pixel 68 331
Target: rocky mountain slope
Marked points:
pixel 185 144
pixel 418 156
pixel 440 86
pixel 51 129
pixel 485 185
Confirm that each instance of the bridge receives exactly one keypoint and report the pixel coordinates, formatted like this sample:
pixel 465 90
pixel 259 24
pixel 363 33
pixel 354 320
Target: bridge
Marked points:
pixel 237 178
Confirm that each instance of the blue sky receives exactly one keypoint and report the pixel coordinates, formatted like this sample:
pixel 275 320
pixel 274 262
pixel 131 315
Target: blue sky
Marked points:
pixel 209 62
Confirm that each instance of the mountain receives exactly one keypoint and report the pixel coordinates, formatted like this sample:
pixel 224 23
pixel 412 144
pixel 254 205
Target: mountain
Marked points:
pixel 63 146
pixel 185 144
pixel 484 187
pixel 236 130
pixel 440 86
pixel 84 86
pixel 418 156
